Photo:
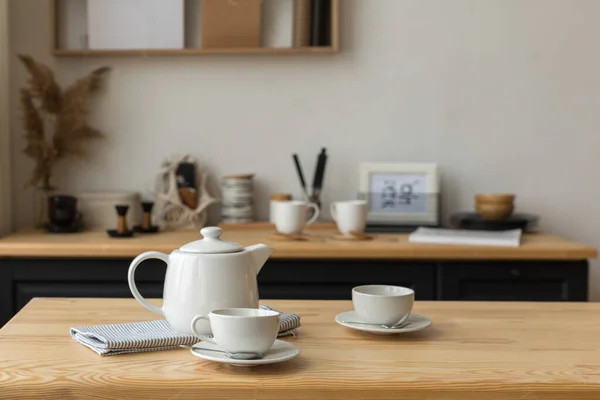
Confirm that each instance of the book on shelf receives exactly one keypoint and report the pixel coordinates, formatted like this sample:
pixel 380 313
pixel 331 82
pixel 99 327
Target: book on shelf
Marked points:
pixel 302 22
pixel 131 24
pixel 508 238
pixel 277 26
pixel 321 23
pixel 296 23
pixel 231 24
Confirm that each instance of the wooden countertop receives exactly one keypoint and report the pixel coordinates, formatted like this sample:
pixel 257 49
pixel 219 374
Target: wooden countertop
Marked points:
pixel 31 243
pixel 321 245
pixel 472 350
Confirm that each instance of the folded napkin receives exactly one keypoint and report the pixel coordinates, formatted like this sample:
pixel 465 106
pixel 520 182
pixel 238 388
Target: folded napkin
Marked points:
pixel 137 337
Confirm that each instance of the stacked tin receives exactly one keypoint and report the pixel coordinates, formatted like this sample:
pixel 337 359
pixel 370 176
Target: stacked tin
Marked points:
pixel 238 199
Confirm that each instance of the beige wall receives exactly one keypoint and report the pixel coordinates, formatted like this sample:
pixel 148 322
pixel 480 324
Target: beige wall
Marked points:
pixel 503 94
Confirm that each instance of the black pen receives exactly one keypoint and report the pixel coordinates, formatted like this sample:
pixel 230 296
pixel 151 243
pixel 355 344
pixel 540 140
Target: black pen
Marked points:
pixel 300 174
pixel 319 174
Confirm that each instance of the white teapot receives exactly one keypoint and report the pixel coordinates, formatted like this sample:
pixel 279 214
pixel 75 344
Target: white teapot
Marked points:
pixel 202 276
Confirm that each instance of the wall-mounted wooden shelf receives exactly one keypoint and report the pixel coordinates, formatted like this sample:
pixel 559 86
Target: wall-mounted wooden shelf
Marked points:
pixel 191 52
pixel 59 51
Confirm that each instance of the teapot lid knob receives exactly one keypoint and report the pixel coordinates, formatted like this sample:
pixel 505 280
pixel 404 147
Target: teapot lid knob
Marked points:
pixel 211 243
pixel 211 232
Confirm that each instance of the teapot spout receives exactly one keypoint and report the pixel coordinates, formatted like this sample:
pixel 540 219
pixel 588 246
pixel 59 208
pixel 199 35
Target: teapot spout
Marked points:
pixel 260 254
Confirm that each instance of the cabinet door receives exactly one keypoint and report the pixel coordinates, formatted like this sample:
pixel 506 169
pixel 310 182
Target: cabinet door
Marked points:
pixel 514 281
pixel 25 291
pixel 334 279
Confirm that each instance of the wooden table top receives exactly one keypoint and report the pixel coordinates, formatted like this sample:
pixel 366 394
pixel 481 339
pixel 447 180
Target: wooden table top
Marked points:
pixel 472 350
pixel 321 245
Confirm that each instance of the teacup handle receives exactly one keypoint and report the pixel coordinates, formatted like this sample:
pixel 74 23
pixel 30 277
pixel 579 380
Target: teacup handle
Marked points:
pixel 198 334
pixel 333 211
pixel 315 207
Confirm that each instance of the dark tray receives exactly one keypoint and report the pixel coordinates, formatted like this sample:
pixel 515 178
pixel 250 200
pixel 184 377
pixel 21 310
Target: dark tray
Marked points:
pixel 473 221
pixel 114 234
pixel 152 229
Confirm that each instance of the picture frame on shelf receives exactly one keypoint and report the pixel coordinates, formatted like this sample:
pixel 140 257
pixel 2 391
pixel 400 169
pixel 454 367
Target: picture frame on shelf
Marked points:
pixel 400 196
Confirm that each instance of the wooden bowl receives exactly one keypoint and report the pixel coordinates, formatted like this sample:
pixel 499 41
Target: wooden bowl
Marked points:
pixel 494 212
pixel 494 198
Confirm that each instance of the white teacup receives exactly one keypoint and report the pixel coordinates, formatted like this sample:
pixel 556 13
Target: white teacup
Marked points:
pixel 241 330
pixel 350 216
pixel 290 217
pixel 383 304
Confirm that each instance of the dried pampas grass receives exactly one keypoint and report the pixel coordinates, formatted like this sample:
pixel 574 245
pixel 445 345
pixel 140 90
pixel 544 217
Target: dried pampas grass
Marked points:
pixel 43 85
pixel 36 147
pixel 72 130
pixel 46 105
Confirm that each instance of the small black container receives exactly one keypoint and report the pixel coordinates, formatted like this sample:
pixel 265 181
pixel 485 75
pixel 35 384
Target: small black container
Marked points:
pixel 62 211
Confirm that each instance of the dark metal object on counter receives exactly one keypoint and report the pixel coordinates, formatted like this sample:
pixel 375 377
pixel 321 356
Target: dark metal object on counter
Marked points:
pixel 122 230
pixel 471 220
pixel 146 226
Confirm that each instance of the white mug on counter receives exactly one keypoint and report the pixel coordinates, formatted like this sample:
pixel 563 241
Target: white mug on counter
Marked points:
pixel 240 330
pixel 350 216
pixel 274 198
pixel 290 217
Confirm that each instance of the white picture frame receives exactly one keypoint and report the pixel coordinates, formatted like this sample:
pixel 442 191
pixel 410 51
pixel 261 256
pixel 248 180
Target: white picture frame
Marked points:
pixel 401 193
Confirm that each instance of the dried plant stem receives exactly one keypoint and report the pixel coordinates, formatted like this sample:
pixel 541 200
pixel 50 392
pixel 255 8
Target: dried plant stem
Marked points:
pixel 46 186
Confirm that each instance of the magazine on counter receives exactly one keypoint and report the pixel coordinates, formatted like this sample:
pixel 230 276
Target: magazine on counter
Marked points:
pixel 508 238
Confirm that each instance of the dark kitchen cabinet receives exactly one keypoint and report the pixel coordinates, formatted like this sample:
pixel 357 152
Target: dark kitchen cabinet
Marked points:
pixel 334 279
pixel 23 279
pixel 513 281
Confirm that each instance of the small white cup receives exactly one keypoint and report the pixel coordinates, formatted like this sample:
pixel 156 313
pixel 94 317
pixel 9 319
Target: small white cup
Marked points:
pixel 290 217
pixel 383 304
pixel 350 216
pixel 240 330
pixel 272 206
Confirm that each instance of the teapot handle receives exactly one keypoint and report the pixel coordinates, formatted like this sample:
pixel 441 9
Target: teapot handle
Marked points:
pixel 131 278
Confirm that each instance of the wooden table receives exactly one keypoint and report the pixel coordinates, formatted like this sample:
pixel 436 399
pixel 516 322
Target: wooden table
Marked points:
pixel 473 350
pixel 91 264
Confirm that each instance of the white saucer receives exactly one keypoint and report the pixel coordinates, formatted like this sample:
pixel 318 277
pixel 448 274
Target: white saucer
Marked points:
pixel 417 322
pixel 281 351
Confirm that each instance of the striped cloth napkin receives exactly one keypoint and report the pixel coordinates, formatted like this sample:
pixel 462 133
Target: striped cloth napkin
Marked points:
pixel 139 337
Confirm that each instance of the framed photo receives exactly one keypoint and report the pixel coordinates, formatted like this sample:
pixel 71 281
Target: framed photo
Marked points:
pixel 401 194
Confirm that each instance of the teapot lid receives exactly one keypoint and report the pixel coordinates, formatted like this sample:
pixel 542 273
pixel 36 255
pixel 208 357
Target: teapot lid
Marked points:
pixel 212 243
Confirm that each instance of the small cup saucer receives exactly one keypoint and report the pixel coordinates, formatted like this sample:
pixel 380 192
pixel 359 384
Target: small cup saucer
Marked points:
pixel 279 352
pixel 114 234
pixel 152 229
pixel 417 322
